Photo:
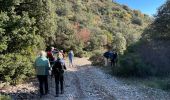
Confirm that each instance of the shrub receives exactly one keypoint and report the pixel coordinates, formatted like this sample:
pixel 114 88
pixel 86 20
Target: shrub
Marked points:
pixel 131 65
pixel 15 68
pixel 82 54
pixel 3 97
pixel 158 82
pixel 97 59
pixel 137 20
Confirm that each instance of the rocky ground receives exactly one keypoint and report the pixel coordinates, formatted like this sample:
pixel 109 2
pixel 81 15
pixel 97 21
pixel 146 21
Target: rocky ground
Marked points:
pixel 86 82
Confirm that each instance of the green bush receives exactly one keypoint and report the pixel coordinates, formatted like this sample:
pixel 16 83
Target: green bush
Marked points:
pixel 158 82
pixel 137 21
pixel 15 68
pixel 3 97
pixel 97 59
pixel 131 65
pixel 82 54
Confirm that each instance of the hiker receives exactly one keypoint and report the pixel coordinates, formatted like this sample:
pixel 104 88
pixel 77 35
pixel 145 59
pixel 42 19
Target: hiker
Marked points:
pixel 70 56
pixel 63 56
pixel 60 54
pixel 58 73
pixel 113 58
pixel 54 50
pixel 50 55
pixel 42 67
pixel 107 56
pixel 63 53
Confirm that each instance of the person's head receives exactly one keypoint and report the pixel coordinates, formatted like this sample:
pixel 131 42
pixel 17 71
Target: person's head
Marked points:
pixel 59 55
pixel 43 54
pixel 52 48
pixel 61 51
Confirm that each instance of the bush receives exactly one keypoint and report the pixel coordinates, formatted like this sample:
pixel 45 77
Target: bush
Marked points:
pixel 3 97
pixel 131 65
pixel 82 54
pixel 97 59
pixel 136 20
pixel 15 68
pixel 158 82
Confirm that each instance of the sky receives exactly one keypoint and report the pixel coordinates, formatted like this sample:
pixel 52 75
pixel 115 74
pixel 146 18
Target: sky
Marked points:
pixel 145 6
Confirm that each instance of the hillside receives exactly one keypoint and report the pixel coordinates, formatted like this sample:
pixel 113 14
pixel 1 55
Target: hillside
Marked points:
pixel 97 23
pixel 27 26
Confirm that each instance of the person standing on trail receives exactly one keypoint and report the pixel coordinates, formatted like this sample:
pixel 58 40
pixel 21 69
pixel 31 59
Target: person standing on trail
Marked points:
pixel 62 56
pixel 42 67
pixel 58 73
pixel 107 55
pixel 113 58
pixel 70 56
pixel 50 55
pixel 63 53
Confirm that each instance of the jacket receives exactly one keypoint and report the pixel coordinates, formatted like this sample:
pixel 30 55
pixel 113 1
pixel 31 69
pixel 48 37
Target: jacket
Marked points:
pixel 42 66
pixel 58 68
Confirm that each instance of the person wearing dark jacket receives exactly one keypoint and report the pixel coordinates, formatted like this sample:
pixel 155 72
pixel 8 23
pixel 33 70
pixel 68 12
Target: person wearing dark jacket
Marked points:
pixel 58 72
pixel 114 58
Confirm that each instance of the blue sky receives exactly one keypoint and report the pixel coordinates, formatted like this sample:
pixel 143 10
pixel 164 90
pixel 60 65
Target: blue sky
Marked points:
pixel 145 6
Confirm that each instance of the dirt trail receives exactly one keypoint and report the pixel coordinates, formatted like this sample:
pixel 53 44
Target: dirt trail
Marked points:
pixel 86 82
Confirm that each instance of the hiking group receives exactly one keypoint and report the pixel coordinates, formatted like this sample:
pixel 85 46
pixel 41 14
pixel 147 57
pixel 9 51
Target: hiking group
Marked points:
pixel 52 62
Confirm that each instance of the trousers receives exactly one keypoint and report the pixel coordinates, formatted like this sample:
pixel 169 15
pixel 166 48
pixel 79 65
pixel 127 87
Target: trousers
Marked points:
pixel 59 81
pixel 43 84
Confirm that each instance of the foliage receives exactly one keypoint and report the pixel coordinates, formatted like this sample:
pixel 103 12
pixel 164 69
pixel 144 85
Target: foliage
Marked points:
pixel 158 82
pixel 18 43
pixel 97 58
pixel 161 24
pixel 119 43
pixel 152 52
pixel 44 11
pixel 137 20
pixel 15 68
pixel 3 97
pixel 27 26
pixel 132 65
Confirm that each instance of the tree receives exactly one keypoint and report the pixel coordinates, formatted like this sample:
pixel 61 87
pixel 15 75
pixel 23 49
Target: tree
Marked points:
pixel 119 43
pixel 137 20
pixel 3 39
pixel 18 42
pixel 162 21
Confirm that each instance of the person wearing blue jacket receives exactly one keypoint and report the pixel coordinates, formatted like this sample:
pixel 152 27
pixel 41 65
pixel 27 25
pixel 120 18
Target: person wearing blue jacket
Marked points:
pixel 71 56
pixel 42 67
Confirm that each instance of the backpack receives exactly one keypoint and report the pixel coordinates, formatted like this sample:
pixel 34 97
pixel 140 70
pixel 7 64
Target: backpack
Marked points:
pixel 58 67
pixel 106 55
pixel 50 56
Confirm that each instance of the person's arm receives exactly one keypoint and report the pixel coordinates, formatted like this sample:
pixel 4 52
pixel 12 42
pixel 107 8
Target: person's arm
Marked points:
pixel 53 70
pixel 72 54
pixel 49 66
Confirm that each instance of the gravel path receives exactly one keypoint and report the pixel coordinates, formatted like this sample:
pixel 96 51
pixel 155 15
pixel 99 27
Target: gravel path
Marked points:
pixel 86 82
